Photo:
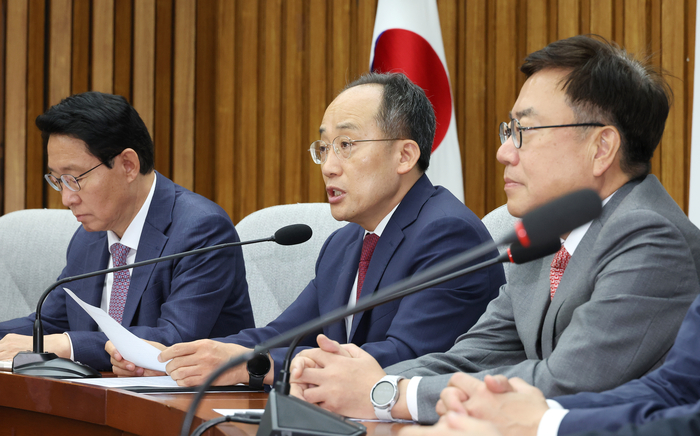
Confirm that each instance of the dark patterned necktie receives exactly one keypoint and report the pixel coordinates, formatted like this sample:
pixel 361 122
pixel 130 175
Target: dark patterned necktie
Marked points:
pixel 561 259
pixel 368 246
pixel 120 282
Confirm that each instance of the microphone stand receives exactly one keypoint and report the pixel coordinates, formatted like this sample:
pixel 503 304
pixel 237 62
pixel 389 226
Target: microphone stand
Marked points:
pixel 37 362
pixel 435 276
pixel 295 408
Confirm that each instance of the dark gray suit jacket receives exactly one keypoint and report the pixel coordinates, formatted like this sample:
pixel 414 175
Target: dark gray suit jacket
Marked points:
pixel 614 317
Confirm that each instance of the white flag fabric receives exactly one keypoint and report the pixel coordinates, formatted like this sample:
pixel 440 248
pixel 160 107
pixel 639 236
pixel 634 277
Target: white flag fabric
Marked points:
pixel 407 39
pixel 694 193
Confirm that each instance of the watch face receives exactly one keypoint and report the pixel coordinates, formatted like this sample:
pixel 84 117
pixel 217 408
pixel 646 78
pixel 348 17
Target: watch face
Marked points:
pixel 259 365
pixel 383 393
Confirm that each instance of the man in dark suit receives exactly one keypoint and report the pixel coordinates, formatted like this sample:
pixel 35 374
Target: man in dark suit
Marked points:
pixel 605 309
pixel 100 158
pixel 376 138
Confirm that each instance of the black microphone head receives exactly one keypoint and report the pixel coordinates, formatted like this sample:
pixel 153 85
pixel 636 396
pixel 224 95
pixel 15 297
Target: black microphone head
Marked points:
pixel 293 234
pixel 518 254
pixel 559 217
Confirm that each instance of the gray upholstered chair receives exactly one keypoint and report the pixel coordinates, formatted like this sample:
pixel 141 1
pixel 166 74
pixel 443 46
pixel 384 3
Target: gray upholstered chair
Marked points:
pixel 276 274
pixel 34 243
pixel 499 222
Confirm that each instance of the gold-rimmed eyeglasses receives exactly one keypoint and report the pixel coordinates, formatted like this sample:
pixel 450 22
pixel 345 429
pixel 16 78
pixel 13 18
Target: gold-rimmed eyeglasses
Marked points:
pixel 342 145
pixel 70 181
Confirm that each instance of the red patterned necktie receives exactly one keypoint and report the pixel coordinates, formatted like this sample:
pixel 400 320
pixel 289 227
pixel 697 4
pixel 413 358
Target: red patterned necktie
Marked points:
pixel 120 282
pixel 561 259
pixel 368 246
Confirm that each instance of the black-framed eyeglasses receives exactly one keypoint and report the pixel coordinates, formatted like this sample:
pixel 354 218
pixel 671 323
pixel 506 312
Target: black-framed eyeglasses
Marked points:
pixel 70 181
pixel 515 130
pixel 342 145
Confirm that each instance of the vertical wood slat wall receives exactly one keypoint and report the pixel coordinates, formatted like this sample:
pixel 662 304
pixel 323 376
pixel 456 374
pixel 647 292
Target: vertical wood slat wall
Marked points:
pixel 233 91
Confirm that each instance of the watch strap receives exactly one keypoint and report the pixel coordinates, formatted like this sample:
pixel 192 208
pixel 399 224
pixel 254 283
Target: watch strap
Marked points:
pixel 384 413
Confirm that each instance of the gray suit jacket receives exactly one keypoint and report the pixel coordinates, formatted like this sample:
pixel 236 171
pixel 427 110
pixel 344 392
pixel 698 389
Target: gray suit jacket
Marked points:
pixel 614 317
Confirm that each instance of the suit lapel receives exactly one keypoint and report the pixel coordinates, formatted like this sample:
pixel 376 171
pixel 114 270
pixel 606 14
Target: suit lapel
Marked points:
pixel 580 265
pixel 391 238
pixel 341 294
pixel 386 247
pixel 151 243
pixel 90 291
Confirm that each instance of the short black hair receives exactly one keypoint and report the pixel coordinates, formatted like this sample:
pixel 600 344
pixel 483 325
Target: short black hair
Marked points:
pixel 405 111
pixel 608 85
pixel 107 123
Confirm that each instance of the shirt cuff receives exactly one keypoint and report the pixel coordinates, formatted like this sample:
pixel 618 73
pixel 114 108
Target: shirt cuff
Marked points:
pixel 412 397
pixel 70 342
pixel 551 420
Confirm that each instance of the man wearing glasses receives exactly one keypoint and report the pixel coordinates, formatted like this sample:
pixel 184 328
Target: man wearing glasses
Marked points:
pixel 375 145
pixel 100 159
pixel 606 308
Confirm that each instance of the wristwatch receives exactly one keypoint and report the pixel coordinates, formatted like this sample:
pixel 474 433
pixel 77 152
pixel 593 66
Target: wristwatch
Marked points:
pixel 384 395
pixel 258 367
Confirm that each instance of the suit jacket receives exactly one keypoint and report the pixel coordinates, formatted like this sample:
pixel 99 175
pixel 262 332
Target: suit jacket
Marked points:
pixel 190 298
pixel 688 425
pixel 429 226
pixel 673 390
pixel 613 318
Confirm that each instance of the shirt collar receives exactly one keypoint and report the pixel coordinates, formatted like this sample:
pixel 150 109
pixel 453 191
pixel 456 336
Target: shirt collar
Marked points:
pixel 578 233
pixel 132 235
pixel 382 224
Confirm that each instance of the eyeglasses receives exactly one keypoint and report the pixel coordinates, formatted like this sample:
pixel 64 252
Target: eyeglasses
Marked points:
pixel 516 130
pixel 342 145
pixel 70 181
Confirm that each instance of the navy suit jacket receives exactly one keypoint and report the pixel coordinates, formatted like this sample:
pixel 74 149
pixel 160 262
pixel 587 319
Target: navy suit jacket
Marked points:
pixel 671 391
pixel 688 425
pixel 429 226
pixel 194 297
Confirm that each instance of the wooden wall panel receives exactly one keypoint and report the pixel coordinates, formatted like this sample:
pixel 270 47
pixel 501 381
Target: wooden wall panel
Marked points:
pixel 224 115
pixel 16 104
pixel 144 61
pixel 35 164
pixel 103 45
pixel 183 92
pixel 233 91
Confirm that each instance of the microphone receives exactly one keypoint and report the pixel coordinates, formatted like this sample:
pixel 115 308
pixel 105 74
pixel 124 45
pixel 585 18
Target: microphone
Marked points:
pixel 558 217
pixel 539 229
pixel 518 254
pixel 41 364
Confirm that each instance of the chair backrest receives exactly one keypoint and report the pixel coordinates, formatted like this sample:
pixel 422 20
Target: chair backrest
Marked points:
pixel 34 243
pixel 499 222
pixel 277 274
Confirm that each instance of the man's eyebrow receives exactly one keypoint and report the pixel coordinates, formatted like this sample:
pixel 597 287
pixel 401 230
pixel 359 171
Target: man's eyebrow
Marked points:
pixel 523 113
pixel 69 169
pixel 347 125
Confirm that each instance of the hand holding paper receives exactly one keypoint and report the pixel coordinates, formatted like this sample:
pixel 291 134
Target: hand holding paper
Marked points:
pixel 131 347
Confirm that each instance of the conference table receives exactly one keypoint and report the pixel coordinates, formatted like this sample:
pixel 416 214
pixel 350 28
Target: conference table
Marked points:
pixel 32 406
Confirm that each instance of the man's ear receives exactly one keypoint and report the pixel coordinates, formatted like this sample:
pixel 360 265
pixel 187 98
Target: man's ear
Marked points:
pixel 129 163
pixel 607 150
pixel 409 155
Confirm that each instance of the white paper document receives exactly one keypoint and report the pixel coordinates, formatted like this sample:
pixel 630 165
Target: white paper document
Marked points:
pixel 127 382
pixel 5 365
pixel 228 412
pixel 131 347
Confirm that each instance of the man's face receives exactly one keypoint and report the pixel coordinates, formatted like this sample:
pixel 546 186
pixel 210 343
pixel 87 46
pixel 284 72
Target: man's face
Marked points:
pixel 102 200
pixel 363 188
pixel 551 162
